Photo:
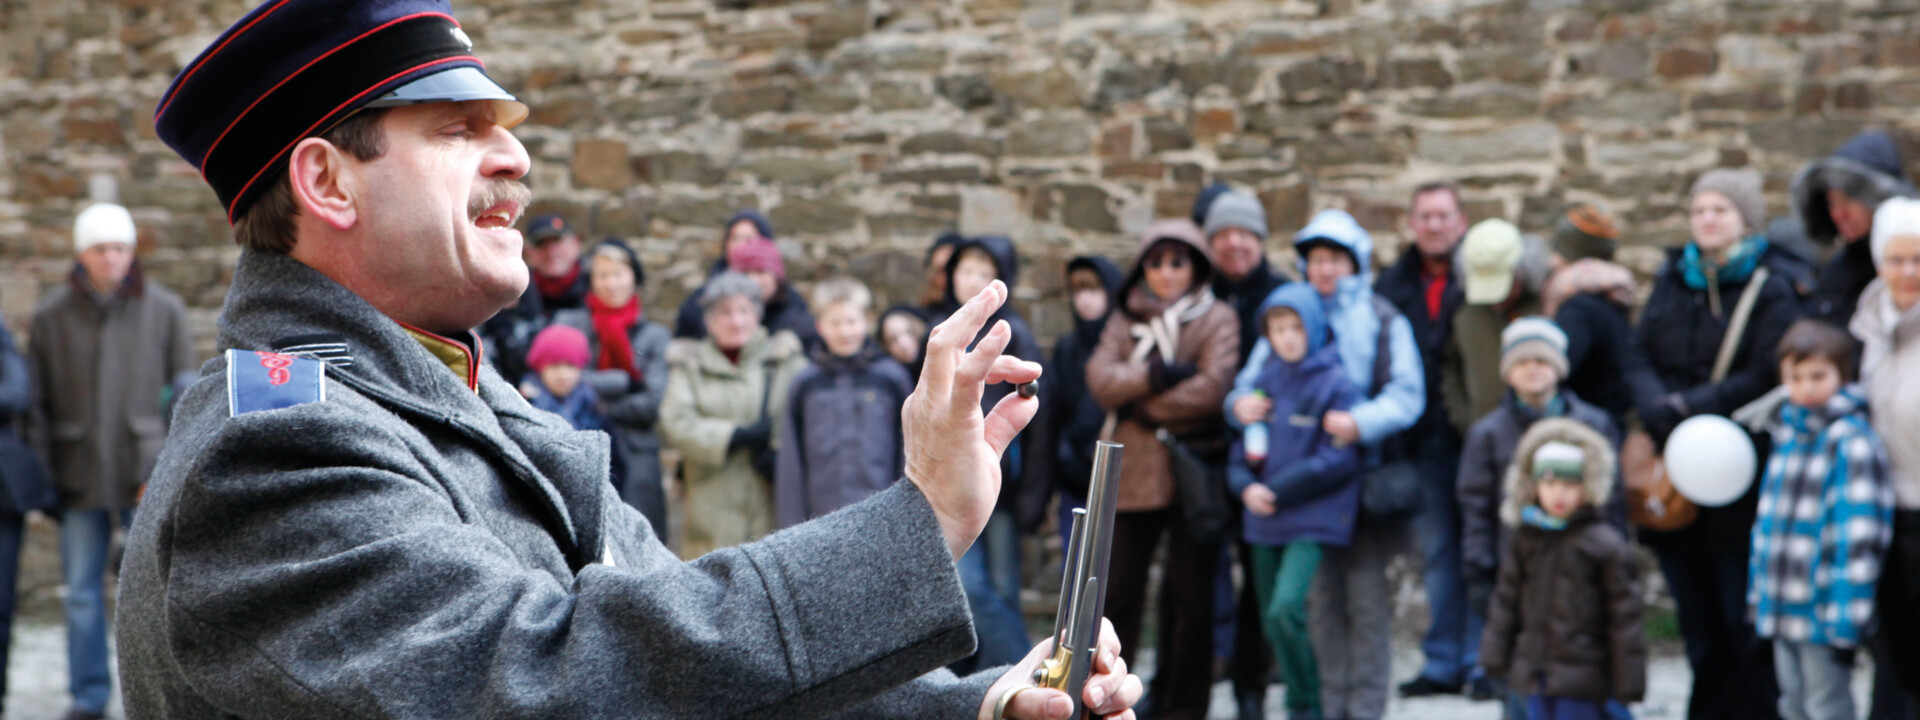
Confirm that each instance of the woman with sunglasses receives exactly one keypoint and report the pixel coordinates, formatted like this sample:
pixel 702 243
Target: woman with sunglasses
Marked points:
pixel 1165 361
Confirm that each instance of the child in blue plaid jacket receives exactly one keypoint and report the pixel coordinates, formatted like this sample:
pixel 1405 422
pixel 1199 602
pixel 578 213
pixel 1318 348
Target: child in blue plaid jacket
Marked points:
pixel 1825 518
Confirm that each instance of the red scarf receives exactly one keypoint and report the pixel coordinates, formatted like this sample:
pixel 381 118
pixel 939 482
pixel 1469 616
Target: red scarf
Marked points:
pixel 553 288
pixel 613 325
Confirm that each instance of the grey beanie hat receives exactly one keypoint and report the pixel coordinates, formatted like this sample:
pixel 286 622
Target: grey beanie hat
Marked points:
pixel 1742 186
pixel 1236 209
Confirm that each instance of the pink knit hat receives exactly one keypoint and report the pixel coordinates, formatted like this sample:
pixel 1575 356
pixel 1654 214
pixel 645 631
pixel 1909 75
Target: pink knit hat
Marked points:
pixel 558 343
pixel 757 256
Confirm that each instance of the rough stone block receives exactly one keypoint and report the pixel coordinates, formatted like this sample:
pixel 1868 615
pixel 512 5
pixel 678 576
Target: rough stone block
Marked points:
pixel 755 139
pixel 1211 123
pixel 1164 134
pixel 1278 39
pixel 1085 207
pixel 1623 61
pixel 601 164
pixel 950 143
pixel 1135 171
pixel 892 55
pixel 630 220
pixel 1650 107
pixel 827 99
pixel 1116 140
pixel 741 102
pixel 692 210
pixel 1518 64
pixel 1415 73
pixel 651 105
pixel 1665 153
pixel 1326 79
pixel 1288 206
pixel 1480 100
pixel 1245 147
pixel 1756 99
pixel 1056 136
pixel 679 167
pixel 1052 87
pixel 906 225
pixel 1806 138
pixel 1127 82
pixel 1684 61
pixel 933 174
pixel 1852 96
pixel 1520 141
pixel 989 211
pixel 94 131
pixel 789 169
pixel 1336 150
pixel 888 95
pixel 966 92
pixel 1250 174
pixel 806 216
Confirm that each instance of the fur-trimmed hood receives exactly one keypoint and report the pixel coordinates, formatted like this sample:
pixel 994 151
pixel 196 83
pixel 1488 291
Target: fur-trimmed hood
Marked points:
pixel 1522 491
pixel 1868 169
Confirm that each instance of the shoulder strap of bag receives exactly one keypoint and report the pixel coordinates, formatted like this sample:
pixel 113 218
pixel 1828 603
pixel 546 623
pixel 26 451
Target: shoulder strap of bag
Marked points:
pixel 1737 326
pixel 766 388
pixel 1383 344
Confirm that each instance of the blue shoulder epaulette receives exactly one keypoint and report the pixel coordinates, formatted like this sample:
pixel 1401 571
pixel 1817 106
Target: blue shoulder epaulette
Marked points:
pixel 270 381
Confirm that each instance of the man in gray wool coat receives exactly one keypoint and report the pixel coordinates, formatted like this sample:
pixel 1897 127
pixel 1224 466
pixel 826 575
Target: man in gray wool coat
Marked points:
pixel 355 517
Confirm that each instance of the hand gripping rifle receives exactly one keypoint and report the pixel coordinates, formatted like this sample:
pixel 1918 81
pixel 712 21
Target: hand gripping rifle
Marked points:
pixel 1083 587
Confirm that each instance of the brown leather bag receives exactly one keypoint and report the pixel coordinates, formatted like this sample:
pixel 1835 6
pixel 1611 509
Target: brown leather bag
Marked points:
pixel 1652 501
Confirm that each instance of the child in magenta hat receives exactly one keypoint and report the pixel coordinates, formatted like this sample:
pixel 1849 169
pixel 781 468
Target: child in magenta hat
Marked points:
pixel 558 356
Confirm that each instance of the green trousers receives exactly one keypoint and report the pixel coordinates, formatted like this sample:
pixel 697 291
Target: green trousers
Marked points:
pixel 1281 576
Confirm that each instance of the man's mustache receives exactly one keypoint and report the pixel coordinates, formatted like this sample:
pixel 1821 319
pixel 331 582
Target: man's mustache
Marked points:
pixel 499 191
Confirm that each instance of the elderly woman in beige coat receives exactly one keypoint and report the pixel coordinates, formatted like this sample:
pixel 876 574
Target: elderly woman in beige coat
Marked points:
pixel 725 395
pixel 1166 362
pixel 1887 320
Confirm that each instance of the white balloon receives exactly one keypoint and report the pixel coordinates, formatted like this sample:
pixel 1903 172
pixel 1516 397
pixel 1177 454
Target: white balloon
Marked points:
pixel 1710 460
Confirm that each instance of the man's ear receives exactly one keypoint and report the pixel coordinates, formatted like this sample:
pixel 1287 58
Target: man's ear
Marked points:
pixel 324 183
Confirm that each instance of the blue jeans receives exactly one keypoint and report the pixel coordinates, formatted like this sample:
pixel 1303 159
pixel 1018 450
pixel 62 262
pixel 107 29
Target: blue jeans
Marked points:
pixel 1542 707
pixel 1452 642
pixel 997 623
pixel 10 531
pixel 86 537
pixel 1816 683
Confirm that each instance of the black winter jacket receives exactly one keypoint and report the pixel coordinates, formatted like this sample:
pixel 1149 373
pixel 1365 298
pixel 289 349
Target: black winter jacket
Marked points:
pixel 1402 285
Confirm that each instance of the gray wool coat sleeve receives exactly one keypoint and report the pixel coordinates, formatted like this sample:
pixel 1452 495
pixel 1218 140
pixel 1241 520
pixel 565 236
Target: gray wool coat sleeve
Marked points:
pixel 358 585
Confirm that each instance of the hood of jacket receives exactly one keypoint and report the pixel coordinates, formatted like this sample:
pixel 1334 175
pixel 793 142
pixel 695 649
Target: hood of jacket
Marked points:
pixel 1883 328
pixel 1141 304
pixel 1521 489
pixel 1088 331
pixel 1304 302
pixel 1006 263
pixel 1337 227
pixel 1867 169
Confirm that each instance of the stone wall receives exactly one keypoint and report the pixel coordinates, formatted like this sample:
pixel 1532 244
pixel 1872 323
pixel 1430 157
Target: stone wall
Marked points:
pixel 864 127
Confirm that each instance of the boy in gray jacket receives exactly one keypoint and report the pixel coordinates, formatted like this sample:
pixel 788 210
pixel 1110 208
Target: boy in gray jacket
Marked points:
pixel 841 442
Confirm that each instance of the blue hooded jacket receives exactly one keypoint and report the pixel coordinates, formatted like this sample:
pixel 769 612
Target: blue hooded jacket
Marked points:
pixel 1314 481
pixel 1354 315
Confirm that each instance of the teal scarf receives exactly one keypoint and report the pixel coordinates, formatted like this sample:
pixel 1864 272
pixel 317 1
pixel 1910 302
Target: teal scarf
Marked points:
pixel 1539 518
pixel 1739 266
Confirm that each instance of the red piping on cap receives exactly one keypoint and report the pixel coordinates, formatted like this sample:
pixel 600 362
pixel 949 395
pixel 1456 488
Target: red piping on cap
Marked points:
pixel 209 56
pixel 296 73
pixel 310 128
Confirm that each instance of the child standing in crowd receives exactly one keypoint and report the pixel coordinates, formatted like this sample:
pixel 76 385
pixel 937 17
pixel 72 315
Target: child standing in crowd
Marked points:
pixel 1533 362
pixel 902 332
pixel 1824 523
pixel 1093 284
pixel 558 359
pixel 1308 493
pixel 1564 625
pixel 841 442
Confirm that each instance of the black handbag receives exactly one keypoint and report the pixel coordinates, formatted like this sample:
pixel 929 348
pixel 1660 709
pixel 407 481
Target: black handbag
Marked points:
pixel 1200 486
pixel 28 486
pixel 1391 490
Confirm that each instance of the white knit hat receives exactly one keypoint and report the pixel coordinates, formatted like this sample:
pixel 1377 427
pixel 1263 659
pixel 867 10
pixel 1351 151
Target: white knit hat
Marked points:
pixel 102 223
pixel 1896 217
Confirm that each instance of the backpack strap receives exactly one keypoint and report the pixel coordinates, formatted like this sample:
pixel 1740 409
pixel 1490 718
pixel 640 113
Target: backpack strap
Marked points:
pixel 1737 326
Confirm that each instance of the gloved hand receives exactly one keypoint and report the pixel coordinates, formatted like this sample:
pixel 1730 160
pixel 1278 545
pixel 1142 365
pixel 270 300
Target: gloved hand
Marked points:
pixel 1662 415
pixel 1161 376
pixel 757 436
